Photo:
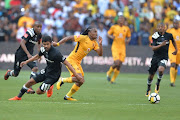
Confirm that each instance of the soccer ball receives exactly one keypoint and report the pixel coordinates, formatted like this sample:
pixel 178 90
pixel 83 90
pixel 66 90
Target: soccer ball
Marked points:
pixel 154 98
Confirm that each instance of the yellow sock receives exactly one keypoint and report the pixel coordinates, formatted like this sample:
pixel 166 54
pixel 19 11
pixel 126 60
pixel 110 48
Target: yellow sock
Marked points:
pixel 172 74
pixel 175 75
pixel 116 73
pixel 74 89
pixel 67 80
pixel 110 71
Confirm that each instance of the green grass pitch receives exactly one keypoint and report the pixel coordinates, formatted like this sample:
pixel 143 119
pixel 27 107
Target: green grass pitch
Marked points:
pixel 97 100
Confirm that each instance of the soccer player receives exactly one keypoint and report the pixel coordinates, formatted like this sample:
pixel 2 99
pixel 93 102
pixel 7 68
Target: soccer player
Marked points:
pixel 160 46
pixel 121 36
pixel 25 50
pixel 50 74
pixel 174 59
pixel 85 43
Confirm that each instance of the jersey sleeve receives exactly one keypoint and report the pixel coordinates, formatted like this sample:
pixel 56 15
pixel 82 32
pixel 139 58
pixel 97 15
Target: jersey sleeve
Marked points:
pixel 26 36
pixel 128 32
pixel 60 58
pixel 96 46
pixel 111 30
pixel 78 38
pixel 42 50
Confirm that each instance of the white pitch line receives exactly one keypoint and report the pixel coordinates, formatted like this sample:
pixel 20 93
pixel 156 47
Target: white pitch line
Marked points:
pixel 73 102
pixel 139 104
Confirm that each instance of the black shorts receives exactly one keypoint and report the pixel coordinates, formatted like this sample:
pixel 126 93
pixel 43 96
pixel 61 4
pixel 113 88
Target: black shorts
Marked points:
pixel 48 81
pixel 155 63
pixel 18 60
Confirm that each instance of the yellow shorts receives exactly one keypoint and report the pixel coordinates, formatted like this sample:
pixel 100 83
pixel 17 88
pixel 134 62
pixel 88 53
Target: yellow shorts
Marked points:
pixel 118 55
pixel 174 58
pixel 76 65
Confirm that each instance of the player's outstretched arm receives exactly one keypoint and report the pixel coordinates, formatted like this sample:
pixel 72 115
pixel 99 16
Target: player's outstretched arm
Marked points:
pixel 72 70
pixel 158 46
pixel 100 50
pixel 22 43
pixel 29 60
pixel 63 41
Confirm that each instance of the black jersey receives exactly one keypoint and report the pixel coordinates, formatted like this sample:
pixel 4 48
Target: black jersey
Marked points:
pixel 31 39
pixel 162 52
pixel 53 58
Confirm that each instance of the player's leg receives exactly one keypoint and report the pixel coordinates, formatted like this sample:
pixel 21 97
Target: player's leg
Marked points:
pixel 115 55
pixel 24 89
pixel 172 74
pixel 34 70
pixel 118 64
pixel 74 88
pixel 77 67
pixel 152 70
pixel 161 68
pixel 122 56
pixel 177 64
pixel 17 67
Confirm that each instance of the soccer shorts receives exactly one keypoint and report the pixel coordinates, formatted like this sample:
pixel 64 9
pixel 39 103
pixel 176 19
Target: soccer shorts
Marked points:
pixel 48 81
pixel 155 63
pixel 76 65
pixel 18 60
pixel 118 54
pixel 174 58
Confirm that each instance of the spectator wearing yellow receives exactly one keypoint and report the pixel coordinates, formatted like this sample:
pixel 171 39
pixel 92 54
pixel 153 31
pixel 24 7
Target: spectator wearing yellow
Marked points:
pixel 110 12
pixel 29 21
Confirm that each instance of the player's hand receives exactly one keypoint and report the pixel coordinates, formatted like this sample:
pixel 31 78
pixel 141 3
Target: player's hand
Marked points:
pixel 112 37
pixel 23 63
pixel 29 56
pixel 100 40
pixel 164 43
pixel 54 44
pixel 80 78
pixel 39 60
pixel 175 52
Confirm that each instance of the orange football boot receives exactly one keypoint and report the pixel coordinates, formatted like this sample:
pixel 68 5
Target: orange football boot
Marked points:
pixel 50 91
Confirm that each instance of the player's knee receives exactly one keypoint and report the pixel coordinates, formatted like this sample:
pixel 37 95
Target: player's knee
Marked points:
pixel 39 92
pixel 35 69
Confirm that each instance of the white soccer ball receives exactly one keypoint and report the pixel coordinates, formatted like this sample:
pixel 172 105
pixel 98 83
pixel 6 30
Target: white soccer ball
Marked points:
pixel 154 98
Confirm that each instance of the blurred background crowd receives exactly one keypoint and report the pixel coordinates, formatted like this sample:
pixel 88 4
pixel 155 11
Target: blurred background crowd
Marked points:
pixel 62 18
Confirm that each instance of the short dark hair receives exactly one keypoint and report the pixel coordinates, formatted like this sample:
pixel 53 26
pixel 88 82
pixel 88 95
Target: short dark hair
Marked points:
pixel 46 38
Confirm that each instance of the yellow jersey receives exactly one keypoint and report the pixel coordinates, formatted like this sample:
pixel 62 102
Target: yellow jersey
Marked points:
pixel 176 36
pixel 120 34
pixel 83 47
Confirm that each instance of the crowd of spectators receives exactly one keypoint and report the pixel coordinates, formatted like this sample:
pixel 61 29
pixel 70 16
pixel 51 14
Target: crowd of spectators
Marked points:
pixel 62 18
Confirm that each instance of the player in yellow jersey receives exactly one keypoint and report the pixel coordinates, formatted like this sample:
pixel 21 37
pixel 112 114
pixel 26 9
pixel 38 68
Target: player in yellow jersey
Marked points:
pixel 85 43
pixel 121 36
pixel 174 59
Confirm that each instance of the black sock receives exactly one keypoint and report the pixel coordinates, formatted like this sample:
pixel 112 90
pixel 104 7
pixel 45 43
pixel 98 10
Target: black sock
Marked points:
pixel 149 81
pixel 159 79
pixel 158 82
pixel 22 91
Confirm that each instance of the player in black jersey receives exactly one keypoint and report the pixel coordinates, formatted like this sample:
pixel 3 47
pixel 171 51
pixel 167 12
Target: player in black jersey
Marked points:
pixel 25 51
pixel 160 46
pixel 51 73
